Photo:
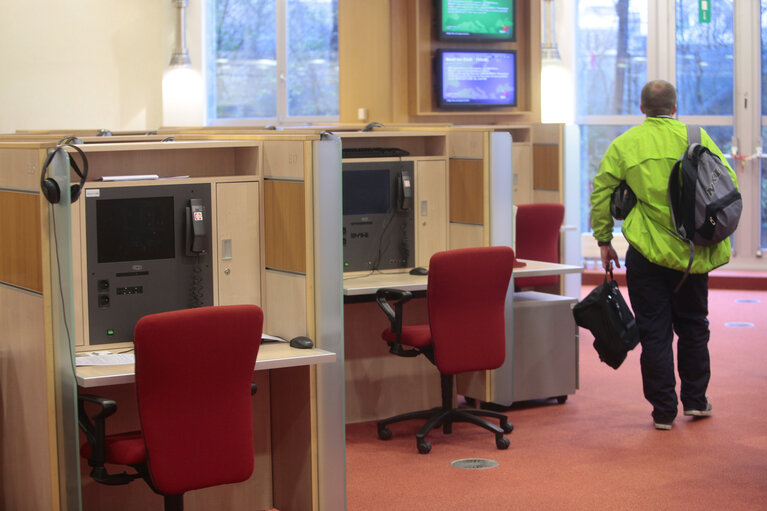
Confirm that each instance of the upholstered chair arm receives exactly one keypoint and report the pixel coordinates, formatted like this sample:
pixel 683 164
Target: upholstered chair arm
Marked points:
pixel 398 297
pixel 386 297
pixel 94 427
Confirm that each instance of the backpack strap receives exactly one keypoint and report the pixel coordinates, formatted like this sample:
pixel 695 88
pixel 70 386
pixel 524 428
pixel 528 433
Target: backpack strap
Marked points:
pixel 693 135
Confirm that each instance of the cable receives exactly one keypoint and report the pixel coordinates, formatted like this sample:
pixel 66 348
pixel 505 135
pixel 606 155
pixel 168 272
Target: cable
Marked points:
pixel 198 295
pixel 61 295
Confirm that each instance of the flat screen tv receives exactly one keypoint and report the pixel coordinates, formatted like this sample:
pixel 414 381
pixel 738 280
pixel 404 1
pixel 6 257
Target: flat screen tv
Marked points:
pixel 476 78
pixel 475 20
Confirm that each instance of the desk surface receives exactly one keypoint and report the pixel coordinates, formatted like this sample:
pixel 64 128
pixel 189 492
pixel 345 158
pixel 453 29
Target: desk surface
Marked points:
pixel 366 284
pixel 270 356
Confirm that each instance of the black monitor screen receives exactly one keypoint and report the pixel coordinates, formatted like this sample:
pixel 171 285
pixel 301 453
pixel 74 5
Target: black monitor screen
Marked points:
pixel 135 229
pixel 476 20
pixel 366 192
pixel 470 78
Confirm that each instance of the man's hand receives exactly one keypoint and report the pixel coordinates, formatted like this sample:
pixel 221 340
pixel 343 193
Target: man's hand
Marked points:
pixel 608 256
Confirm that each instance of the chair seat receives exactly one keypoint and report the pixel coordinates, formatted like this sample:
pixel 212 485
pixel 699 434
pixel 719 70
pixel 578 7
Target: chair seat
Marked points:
pixel 418 336
pixel 121 449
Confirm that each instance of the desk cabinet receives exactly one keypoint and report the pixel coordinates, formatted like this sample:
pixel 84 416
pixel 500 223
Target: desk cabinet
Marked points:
pixel 545 356
pixel 542 361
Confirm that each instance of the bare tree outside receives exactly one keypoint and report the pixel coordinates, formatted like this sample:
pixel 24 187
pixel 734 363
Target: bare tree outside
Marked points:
pixel 243 76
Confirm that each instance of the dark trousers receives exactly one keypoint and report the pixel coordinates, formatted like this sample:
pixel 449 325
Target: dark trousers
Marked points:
pixel 659 313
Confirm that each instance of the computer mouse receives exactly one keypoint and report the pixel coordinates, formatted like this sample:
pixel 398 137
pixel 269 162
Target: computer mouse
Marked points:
pixel 301 342
pixel 419 270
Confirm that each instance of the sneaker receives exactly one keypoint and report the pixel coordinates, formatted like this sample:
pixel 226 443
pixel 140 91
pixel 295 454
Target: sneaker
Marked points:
pixel 706 412
pixel 662 426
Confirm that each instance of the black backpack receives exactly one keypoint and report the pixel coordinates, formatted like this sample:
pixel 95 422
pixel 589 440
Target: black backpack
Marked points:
pixel 705 204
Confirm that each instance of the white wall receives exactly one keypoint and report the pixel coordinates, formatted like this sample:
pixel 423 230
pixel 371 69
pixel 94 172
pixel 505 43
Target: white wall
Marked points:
pixel 87 64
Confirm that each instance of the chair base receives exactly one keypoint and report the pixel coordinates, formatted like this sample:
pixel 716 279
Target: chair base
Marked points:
pixel 445 416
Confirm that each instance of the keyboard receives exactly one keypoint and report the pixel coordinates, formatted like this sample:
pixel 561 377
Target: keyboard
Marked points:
pixel 373 152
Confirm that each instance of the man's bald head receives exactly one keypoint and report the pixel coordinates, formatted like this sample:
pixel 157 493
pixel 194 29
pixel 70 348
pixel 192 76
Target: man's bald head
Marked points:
pixel 658 98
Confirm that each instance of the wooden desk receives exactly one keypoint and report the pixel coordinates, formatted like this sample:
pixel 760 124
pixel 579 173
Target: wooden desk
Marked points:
pixel 272 355
pixel 361 284
pixel 284 436
pixel 379 384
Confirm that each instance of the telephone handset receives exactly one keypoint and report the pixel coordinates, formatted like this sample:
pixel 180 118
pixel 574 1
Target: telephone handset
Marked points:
pixel 195 228
pixel 405 191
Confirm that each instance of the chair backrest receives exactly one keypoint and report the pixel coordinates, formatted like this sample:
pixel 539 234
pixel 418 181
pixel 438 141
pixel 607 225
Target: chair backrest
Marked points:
pixel 194 368
pixel 537 238
pixel 466 296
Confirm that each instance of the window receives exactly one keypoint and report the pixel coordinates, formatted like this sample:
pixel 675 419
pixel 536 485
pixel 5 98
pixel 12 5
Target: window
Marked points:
pixel 612 68
pixel 612 56
pixel 704 59
pixel 272 61
pixel 716 69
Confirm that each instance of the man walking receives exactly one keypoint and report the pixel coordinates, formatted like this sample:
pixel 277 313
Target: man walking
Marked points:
pixel 656 259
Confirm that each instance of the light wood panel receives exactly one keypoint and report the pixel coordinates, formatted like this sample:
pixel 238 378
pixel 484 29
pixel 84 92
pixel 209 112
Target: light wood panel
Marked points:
pixel 25 455
pixel 285 304
pixel 467 144
pixel 466 235
pixel 285 225
pixel 284 159
pixel 237 219
pixel 20 256
pixel 19 168
pixel 430 210
pixel 466 191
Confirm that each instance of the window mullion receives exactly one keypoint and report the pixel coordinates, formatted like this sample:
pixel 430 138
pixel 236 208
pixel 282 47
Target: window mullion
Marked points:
pixel 282 68
pixel 661 40
pixel 747 124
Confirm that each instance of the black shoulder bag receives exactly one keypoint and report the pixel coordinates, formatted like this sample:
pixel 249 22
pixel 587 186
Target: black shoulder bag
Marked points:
pixel 607 315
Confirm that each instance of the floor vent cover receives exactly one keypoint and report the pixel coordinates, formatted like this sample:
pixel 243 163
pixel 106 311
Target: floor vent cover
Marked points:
pixel 474 463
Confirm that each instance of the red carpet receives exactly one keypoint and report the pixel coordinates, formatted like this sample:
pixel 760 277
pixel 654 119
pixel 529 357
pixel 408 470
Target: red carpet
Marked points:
pixel 599 450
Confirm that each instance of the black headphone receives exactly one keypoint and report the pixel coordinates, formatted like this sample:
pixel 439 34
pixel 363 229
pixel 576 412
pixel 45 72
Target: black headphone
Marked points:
pixel 49 187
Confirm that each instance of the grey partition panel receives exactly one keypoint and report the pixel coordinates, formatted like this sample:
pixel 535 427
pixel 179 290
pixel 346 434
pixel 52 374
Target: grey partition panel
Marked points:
pixel 501 233
pixel 328 302
pixel 62 321
pixel 572 223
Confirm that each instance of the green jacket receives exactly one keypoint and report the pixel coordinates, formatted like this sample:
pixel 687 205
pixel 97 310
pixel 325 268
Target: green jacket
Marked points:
pixel 643 157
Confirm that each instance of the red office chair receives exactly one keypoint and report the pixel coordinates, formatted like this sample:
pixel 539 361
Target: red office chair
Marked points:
pixel 194 371
pixel 466 297
pixel 537 236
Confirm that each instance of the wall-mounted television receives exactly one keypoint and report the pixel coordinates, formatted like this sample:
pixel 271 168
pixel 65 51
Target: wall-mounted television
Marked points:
pixel 475 78
pixel 475 20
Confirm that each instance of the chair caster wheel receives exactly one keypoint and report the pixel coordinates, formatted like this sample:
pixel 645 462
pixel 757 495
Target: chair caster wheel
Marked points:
pixel 384 433
pixel 561 399
pixel 424 447
pixel 502 443
pixel 507 428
